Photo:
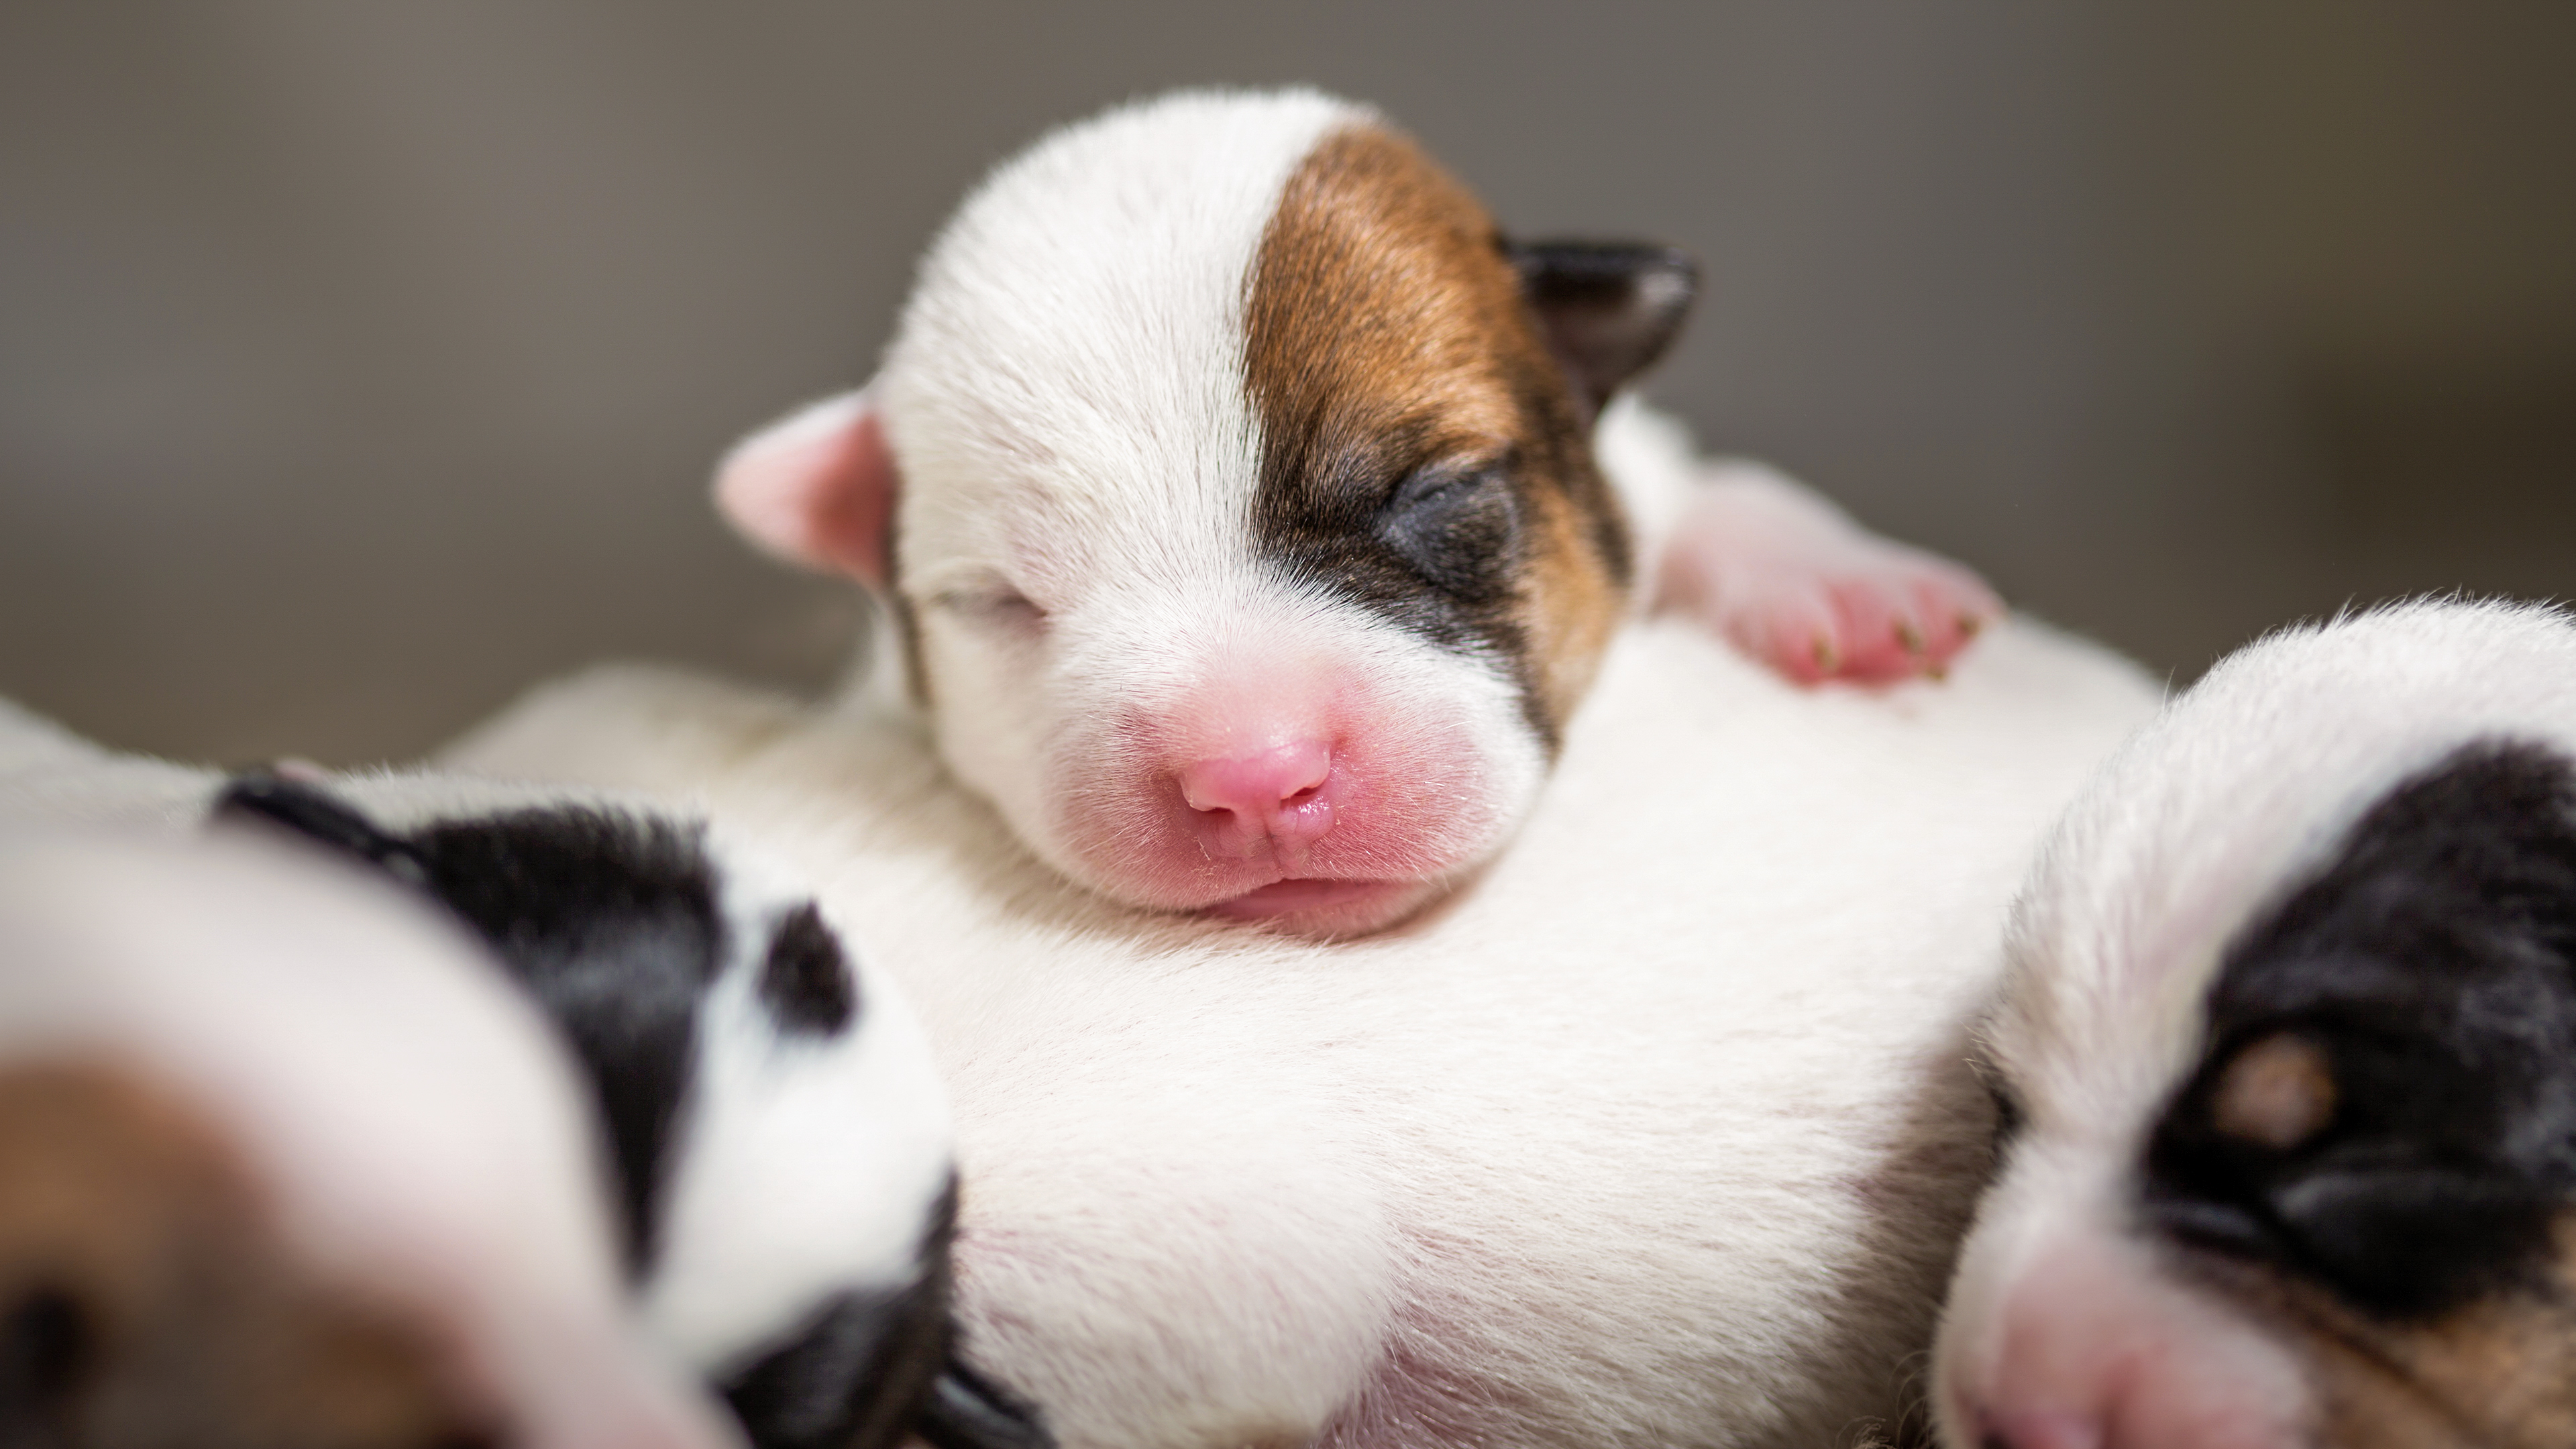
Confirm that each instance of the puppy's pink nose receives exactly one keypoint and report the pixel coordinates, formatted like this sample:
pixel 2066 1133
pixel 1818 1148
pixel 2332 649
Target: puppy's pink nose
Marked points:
pixel 1276 796
pixel 2039 1431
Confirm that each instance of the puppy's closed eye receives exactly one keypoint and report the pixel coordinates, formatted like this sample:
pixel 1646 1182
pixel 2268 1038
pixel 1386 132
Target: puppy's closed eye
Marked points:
pixel 1457 525
pixel 996 605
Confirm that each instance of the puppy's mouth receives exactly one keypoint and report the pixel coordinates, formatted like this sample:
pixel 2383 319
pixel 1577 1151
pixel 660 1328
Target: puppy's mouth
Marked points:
pixel 1309 906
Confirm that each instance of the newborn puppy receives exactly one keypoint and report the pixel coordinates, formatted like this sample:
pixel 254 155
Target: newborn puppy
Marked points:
pixel 2289 1048
pixel 283 1166
pixel 779 1137
pixel 1233 490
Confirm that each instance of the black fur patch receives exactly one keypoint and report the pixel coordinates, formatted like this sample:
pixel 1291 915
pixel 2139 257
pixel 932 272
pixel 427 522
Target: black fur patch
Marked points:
pixel 1608 309
pixel 806 981
pixel 2434 965
pixel 611 921
pixel 858 1372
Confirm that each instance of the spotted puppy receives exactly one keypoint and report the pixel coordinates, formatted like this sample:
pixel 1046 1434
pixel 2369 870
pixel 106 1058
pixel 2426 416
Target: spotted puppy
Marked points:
pixel 283 1165
pixel 2289 1048
pixel 1234 490
pixel 779 1138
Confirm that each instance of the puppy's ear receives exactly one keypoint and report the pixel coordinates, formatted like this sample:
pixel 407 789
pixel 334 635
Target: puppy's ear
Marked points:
pixel 1607 309
pixel 317 815
pixel 969 1411
pixel 817 488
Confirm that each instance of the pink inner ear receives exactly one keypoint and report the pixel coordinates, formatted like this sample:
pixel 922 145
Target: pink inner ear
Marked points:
pixel 817 488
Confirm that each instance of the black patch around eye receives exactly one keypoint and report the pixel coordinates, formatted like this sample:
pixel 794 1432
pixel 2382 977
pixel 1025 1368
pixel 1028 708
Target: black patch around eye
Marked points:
pixel 806 982
pixel 1457 527
pixel 2433 963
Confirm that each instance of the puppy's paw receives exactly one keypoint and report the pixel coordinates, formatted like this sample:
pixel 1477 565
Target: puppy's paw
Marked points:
pixel 1791 580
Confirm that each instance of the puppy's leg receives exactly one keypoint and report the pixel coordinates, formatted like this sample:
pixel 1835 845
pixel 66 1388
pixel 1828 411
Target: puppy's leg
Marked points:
pixel 1792 580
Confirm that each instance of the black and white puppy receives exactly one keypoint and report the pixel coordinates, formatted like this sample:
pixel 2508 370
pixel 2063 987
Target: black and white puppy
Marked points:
pixel 779 1137
pixel 1255 515
pixel 2289 1054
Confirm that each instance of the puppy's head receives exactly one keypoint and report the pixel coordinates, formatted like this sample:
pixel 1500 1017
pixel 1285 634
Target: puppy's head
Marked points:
pixel 2288 1065
pixel 1231 480
pixel 279 1166
pixel 780 1136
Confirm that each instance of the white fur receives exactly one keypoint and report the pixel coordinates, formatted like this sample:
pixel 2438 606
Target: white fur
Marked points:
pixel 1660 1135
pixel 2238 791
pixel 413 1124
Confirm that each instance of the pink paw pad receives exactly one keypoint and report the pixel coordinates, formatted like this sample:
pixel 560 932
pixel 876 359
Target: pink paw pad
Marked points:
pixel 1791 581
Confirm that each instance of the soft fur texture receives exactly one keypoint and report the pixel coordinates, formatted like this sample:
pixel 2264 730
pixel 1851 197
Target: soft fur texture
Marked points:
pixel 2291 1028
pixel 781 1137
pixel 285 1165
pixel 1232 486
pixel 1661 1136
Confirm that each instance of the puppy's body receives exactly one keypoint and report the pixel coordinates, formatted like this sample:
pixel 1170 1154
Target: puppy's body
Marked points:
pixel 1658 1137
pixel 1234 485
pixel 2292 1025
pixel 780 1140
pixel 281 1164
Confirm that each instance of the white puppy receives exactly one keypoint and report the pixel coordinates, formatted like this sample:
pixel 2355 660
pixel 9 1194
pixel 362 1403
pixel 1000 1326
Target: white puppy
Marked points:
pixel 1662 1136
pixel 283 1164
pixel 780 1139
pixel 1233 492
pixel 2289 1048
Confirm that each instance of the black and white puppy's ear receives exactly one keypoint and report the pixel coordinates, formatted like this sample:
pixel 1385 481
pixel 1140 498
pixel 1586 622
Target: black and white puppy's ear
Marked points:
pixel 968 1411
pixel 1607 309
pixel 314 813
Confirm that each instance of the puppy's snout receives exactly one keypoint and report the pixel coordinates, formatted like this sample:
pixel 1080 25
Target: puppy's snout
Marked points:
pixel 1276 798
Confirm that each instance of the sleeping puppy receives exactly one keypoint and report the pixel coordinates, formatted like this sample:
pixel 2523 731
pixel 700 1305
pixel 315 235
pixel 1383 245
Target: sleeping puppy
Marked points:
pixel 283 1166
pixel 779 1138
pixel 1234 493
pixel 2290 1046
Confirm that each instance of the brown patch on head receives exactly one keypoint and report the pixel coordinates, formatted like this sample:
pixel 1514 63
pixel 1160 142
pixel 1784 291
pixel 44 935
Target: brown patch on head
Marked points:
pixel 147 1299
pixel 1422 451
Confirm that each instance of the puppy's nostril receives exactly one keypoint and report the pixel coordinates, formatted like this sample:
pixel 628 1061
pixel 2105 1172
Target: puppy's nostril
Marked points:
pixel 1258 785
pixel 44 1342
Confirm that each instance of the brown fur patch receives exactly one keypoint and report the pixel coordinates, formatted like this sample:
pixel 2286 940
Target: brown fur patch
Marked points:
pixel 1386 334
pixel 150 1301
pixel 2496 1373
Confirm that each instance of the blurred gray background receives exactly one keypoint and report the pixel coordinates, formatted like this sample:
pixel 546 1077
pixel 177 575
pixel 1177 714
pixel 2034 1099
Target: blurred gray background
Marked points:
pixel 362 363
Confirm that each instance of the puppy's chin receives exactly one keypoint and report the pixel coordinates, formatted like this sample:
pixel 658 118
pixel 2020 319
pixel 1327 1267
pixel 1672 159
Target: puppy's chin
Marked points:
pixel 1326 910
